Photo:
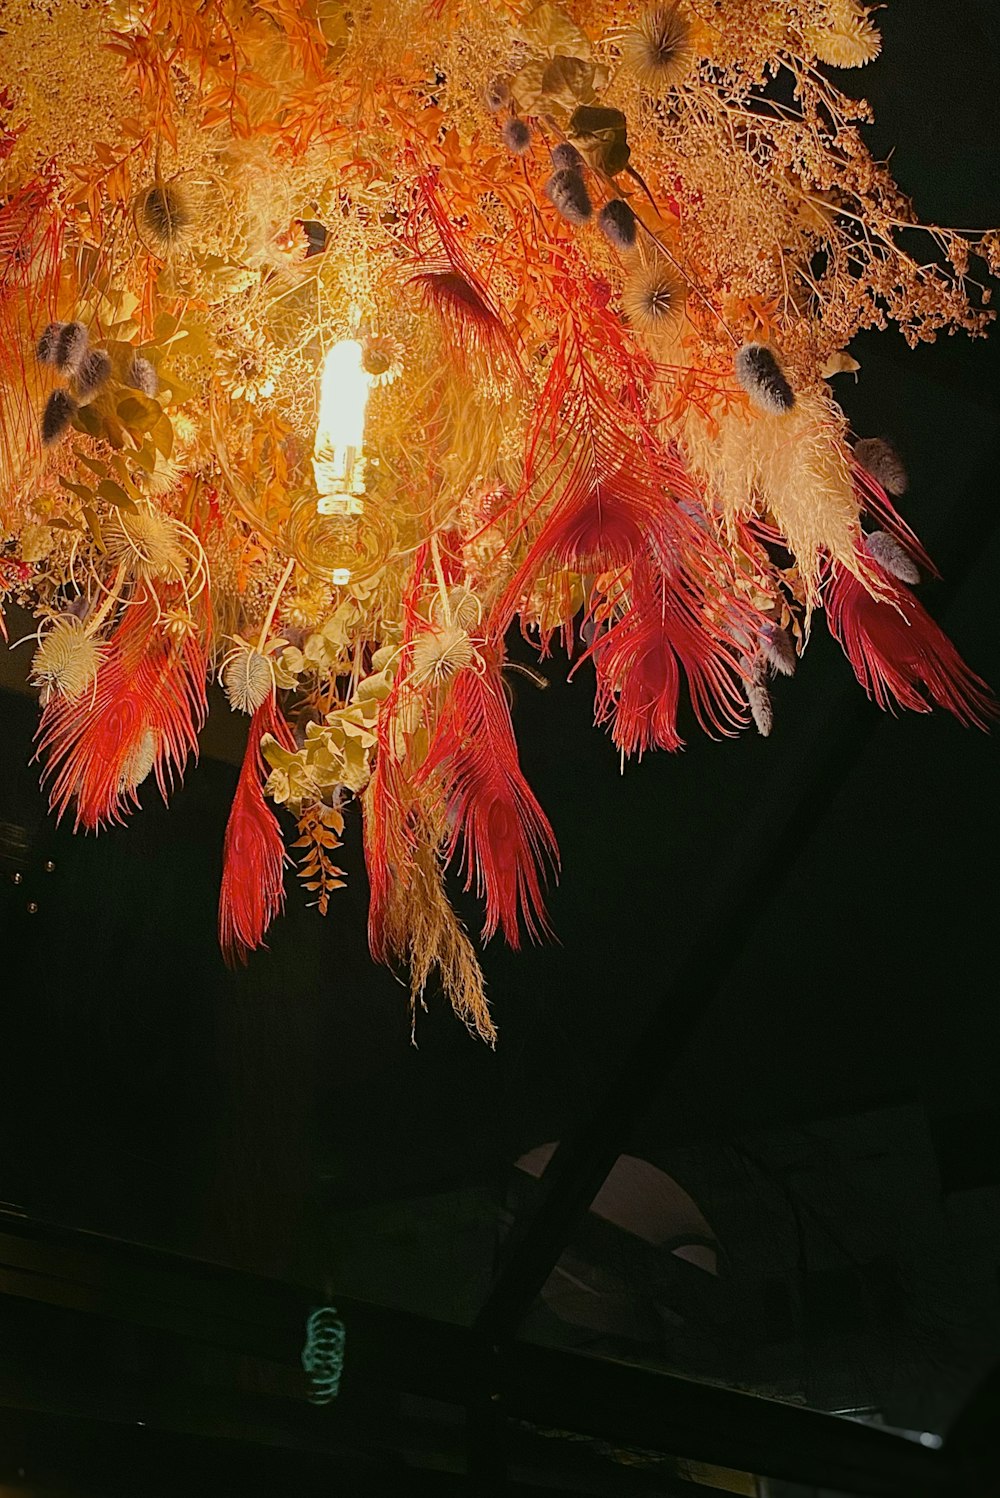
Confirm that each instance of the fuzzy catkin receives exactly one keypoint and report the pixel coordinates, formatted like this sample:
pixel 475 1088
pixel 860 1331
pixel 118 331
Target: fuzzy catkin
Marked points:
pixel 778 649
pixel 517 137
pixel 566 158
pixel 60 408
pixel 71 347
pixel 141 375
pixel 893 557
pixel 763 379
pixel 567 192
pixel 47 347
pixel 879 458
pixel 759 699
pixel 94 371
pixel 618 224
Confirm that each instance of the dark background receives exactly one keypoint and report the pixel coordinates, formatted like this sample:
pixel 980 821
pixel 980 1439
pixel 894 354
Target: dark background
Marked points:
pixel 829 1096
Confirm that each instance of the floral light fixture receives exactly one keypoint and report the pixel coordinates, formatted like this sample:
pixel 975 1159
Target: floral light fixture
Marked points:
pixel 338 340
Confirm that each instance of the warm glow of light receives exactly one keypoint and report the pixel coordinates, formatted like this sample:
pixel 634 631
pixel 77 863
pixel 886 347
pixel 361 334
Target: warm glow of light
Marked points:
pixel 340 430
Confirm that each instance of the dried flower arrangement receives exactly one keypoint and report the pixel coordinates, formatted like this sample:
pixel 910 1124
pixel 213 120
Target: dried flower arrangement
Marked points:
pixel 337 341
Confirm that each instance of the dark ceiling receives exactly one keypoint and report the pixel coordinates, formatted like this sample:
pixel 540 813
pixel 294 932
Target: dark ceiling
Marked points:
pixel 786 947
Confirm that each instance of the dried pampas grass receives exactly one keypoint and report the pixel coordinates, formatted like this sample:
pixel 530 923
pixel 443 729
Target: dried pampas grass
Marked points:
pixel 792 468
pixel 422 930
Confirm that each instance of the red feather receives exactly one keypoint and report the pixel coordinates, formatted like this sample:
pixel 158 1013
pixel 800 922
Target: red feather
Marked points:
pixel 506 837
pixel 898 652
pixel 602 487
pixel 149 698
pixel 254 858
pixel 669 628
pixel 451 287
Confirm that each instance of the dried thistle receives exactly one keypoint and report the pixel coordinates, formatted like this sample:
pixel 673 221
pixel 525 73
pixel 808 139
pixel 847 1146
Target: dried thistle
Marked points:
pixel 247 679
pixel 141 375
pixel 147 544
pixel 763 379
pixel 60 408
pixel 164 214
pixel 139 762
pixel 439 653
pixel 879 458
pixel 93 372
pixel 618 224
pixel 658 49
pixel 896 560
pixel 653 299
pixel 66 661
pixel 517 136
pixel 567 192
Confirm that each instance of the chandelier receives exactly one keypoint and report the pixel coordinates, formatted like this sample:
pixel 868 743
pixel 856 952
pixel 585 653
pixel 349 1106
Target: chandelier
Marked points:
pixel 339 341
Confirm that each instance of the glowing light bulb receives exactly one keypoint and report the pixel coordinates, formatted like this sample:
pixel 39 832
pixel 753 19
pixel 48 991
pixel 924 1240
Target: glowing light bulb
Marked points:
pixel 338 457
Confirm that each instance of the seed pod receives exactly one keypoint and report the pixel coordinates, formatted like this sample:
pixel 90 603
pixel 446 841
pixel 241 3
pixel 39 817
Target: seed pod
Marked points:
pixel 94 371
pixel 141 375
pixel 763 379
pixel 247 679
pixel 164 214
pixel 567 192
pixel 778 649
pixel 138 763
pixel 60 408
pixel 883 462
pixel 896 560
pixel 617 224
pixel 47 347
pixel 66 661
pixel 658 48
pixel 517 137
pixel 653 299
pixel 72 346
pixel 566 158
